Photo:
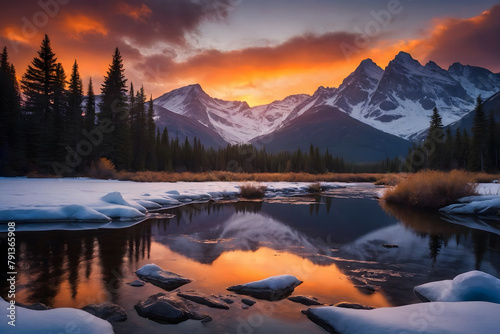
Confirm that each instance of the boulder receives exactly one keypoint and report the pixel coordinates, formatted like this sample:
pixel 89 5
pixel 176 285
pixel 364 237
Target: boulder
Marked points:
pixel 164 308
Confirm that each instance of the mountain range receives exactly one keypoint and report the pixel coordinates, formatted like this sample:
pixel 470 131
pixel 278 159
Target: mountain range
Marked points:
pixel 371 115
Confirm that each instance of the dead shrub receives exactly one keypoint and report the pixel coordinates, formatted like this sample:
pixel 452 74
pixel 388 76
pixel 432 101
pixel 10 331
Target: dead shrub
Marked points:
pixel 252 190
pixel 432 189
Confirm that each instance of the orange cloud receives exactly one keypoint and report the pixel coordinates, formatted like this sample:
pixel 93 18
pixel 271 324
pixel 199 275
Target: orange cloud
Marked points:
pixel 78 25
pixel 139 13
pixel 473 41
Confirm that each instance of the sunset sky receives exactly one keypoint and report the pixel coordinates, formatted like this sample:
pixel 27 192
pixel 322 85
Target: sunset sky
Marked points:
pixel 253 50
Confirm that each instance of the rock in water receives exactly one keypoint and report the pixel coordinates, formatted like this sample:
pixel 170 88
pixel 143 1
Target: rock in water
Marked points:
pixel 161 278
pixel 355 306
pixel 203 299
pixel 164 308
pixel 248 302
pixel 137 283
pixel 272 288
pixel 305 300
pixel 107 311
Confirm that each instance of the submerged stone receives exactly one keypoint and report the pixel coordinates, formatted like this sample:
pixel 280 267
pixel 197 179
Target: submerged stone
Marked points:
pixel 107 311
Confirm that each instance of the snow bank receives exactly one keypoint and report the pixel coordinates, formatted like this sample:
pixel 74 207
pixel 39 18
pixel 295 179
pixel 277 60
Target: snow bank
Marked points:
pixel 82 199
pixel 470 286
pixel 486 204
pixel 474 205
pixel 429 318
pixel 59 320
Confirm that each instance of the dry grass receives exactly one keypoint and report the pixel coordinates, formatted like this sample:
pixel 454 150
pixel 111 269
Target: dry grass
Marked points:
pixel 252 190
pixel 241 177
pixel 391 179
pixel 486 178
pixel 432 189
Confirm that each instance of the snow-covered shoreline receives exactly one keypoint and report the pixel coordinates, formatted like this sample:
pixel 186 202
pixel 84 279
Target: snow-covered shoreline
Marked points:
pixel 83 203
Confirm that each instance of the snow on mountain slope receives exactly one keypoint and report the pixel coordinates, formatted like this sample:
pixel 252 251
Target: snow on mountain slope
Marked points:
pixel 397 100
pixel 235 121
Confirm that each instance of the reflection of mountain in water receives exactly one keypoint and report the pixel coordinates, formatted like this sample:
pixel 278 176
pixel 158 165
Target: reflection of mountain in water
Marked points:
pixel 242 231
pixel 429 249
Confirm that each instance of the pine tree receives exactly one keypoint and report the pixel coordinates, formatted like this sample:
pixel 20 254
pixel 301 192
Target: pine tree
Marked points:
pixel 151 158
pixel 479 137
pixel 492 144
pixel 11 150
pixel 448 150
pixel 116 144
pixel 89 125
pixel 73 119
pixel 466 147
pixel 458 151
pixel 39 85
pixel 433 145
pixel 138 130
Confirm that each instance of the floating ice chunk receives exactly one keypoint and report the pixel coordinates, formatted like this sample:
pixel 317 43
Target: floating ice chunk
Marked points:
pixel 58 320
pixel 470 286
pixel 117 198
pixel 429 318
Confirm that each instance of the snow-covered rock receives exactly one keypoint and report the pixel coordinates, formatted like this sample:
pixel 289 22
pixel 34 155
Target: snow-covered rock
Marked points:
pixel 271 288
pixel 117 198
pixel 59 320
pixel 164 279
pixel 470 286
pixel 429 318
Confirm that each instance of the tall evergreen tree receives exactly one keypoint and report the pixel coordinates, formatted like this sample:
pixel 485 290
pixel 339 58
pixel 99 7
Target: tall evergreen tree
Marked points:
pixel 114 114
pixel 151 158
pixel 89 125
pixel 11 152
pixel 74 120
pixel 39 85
pixel 90 108
pixel 492 142
pixel 479 138
pixel 138 128
pixel 434 142
pixel 458 159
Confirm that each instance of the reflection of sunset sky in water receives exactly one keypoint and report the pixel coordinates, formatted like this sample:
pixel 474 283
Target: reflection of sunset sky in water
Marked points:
pixel 330 243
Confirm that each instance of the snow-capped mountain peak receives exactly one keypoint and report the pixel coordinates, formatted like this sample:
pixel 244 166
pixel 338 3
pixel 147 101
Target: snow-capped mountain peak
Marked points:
pixel 398 100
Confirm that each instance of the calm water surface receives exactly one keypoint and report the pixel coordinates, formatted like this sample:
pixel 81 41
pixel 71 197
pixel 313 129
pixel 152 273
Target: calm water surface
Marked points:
pixel 332 242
